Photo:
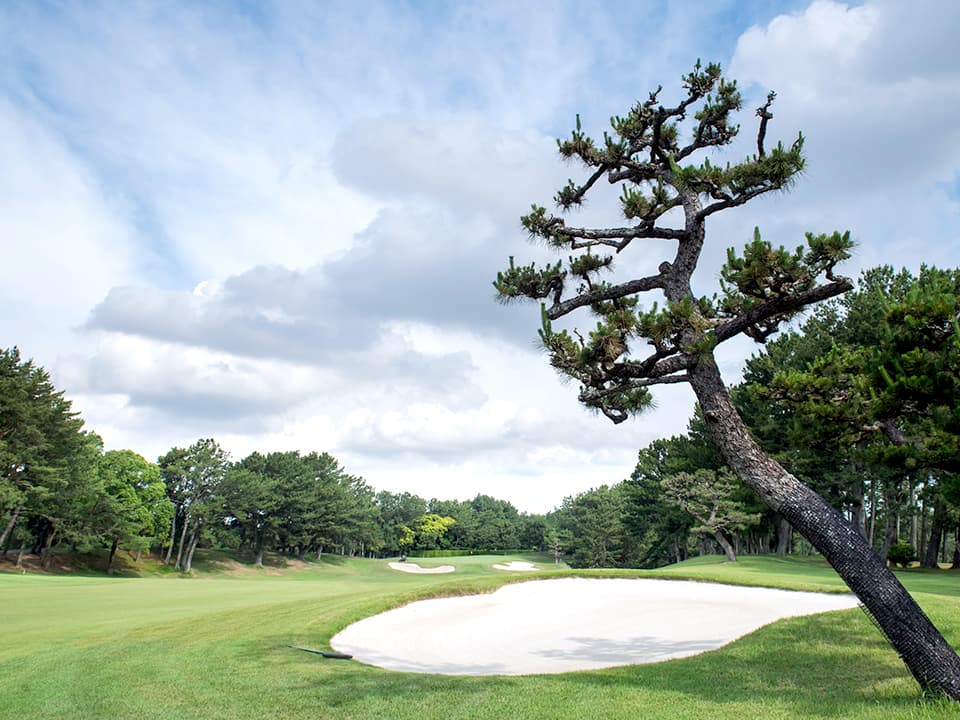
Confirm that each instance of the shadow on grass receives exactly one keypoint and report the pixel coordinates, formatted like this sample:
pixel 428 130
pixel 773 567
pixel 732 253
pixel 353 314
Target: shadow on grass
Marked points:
pixel 811 674
pixel 839 666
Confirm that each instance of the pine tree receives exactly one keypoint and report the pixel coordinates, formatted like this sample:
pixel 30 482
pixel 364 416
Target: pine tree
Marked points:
pixel 649 156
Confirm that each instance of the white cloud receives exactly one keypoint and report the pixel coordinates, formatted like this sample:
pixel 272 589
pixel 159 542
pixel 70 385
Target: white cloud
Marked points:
pixel 63 240
pixel 278 227
pixel 874 92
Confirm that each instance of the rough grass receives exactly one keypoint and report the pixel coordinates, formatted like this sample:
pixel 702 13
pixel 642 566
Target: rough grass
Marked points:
pixel 216 646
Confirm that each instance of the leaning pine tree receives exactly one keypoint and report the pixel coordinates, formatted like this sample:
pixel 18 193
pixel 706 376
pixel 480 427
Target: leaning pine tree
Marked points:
pixel 632 349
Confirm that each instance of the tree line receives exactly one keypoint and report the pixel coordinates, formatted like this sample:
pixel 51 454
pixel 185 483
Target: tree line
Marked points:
pixel 860 402
pixel 60 489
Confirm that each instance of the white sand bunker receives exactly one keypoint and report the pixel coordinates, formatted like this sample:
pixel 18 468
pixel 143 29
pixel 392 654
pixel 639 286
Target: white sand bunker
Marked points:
pixel 517 566
pixel 556 626
pixel 410 567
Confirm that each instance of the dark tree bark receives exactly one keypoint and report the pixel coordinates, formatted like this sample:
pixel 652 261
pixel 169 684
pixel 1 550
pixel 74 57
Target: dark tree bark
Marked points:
pixel 893 499
pixel 929 657
pixel 173 535
pixel 783 536
pixel 955 565
pixel 259 560
pixel 183 535
pixel 45 553
pixel 938 527
pixel 762 289
pixel 727 547
pixel 192 545
pixel 9 527
pixel 113 553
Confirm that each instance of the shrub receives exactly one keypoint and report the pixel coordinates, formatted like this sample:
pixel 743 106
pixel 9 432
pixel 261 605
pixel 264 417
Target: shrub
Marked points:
pixel 902 554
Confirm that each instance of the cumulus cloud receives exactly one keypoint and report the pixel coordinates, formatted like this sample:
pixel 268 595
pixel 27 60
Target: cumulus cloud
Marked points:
pixel 65 240
pixel 871 89
pixel 278 225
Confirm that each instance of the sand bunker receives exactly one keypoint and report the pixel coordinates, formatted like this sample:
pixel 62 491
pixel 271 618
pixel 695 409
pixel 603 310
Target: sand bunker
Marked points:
pixel 556 626
pixel 410 567
pixel 517 566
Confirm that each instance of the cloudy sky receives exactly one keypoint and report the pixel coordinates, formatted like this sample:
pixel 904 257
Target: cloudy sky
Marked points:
pixel 277 224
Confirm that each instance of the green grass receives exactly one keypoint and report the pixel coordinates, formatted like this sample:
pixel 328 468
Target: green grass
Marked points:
pixel 216 646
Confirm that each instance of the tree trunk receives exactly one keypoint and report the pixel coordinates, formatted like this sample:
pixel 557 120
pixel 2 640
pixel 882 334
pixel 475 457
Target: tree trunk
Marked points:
pixel 173 536
pixel 858 510
pixel 727 547
pixel 783 536
pixel 914 528
pixel 192 545
pixel 47 545
pixel 929 657
pixel 183 535
pixel 889 535
pixel 923 526
pixel 259 561
pixel 113 552
pixel 938 526
pixel 893 499
pixel 955 565
pixel 9 528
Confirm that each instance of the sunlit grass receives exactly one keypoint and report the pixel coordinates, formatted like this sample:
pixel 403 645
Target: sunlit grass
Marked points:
pixel 216 646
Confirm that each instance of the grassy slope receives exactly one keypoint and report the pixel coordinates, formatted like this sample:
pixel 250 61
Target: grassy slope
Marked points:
pixel 215 646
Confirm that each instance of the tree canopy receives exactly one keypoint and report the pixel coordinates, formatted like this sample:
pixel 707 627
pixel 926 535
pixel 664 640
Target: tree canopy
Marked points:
pixel 658 155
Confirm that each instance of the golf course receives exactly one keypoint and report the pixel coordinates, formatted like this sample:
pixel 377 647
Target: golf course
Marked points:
pixel 221 643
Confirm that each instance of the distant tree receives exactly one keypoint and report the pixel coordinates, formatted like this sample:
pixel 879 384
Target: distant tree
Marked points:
pixel 496 524
pixel 47 461
pixel 133 509
pixel 902 554
pixel 252 496
pixel 533 532
pixel 593 521
pixel 760 289
pixel 405 537
pixel 707 496
pixel 193 476
pixel 880 396
pixel 396 514
pixel 892 369
pixel 430 529
pixel 557 542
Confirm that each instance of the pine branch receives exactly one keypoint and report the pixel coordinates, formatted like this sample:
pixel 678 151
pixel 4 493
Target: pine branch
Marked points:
pixel 765 116
pixel 784 305
pixel 611 292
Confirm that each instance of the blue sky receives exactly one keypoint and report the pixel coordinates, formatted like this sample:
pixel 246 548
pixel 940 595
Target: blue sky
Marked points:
pixel 276 224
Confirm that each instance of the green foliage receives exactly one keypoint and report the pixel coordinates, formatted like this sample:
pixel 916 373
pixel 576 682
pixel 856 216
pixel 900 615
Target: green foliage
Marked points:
pixel 48 463
pixel 773 171
pixel 648 154
pixel 134 510
pixel 590 529
pixel 430 529
pixel 708 496
pixel 765 274
pixel 528 282
pixel 902 554
pixel 893 368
